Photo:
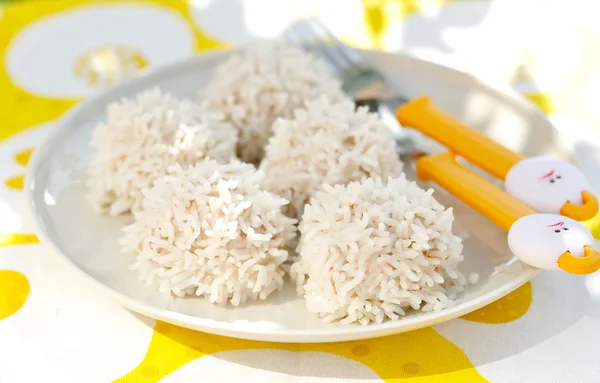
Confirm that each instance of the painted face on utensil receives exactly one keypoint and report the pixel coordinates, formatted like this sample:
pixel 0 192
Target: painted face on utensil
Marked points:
pixel 553 242
pixel 547 184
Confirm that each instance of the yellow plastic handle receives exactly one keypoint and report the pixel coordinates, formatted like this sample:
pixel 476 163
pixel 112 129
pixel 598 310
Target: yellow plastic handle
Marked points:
pixel 481 195
pixel 482 151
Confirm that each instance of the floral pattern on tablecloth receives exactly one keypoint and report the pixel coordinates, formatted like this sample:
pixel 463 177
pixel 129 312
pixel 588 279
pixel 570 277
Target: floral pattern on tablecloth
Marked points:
pixel 56 52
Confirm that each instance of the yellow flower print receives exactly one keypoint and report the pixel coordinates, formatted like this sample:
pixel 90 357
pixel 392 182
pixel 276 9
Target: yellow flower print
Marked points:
pixel 506 309
pixel 105 65
pixel 14 289
pixel 16 182
pixel 31 103
pixel 22 110
pixel 415 355
pixel 50 56
pixel 22 158
pixel 14 286
pixel 273 366
pixel 64 324
pixel 384 20
pixel 17 239
pixel 418 355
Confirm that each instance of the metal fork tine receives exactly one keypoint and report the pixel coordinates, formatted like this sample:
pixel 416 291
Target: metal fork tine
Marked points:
pixel 291 37
pixel 355 73
pixel 335 47
pixel 300 34
pixel 296 37
pixel 336 43
pixel 320 45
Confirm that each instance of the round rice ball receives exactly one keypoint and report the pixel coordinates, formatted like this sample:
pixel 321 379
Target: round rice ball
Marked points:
pixel 265 82
pixel 142 138
pixel 211 231
pixel 372 249
pixel 327 143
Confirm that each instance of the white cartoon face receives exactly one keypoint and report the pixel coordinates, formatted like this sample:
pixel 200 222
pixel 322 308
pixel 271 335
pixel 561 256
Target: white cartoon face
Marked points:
pixel 545 184
pixel 540 239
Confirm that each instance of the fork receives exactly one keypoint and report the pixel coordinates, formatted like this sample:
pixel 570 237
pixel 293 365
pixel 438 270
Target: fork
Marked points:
pixel 365 84
pixel 511 211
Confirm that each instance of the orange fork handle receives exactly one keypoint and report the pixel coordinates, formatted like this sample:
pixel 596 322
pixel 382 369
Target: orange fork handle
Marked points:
pixel 485 153
pixel 481 195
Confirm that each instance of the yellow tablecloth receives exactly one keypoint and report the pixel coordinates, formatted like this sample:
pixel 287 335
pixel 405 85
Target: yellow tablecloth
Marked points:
pixel 56 52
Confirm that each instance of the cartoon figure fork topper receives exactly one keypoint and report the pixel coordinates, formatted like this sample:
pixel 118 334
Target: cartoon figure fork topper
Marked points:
pixel 553 186
pixel 533 186
pixel 560 243
pixel 546 241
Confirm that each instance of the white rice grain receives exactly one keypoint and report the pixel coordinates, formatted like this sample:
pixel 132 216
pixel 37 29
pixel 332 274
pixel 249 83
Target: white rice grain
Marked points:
pixel 327 143
pixel 189 240
pixel 142 138
pixel 373 249
pixel 263 83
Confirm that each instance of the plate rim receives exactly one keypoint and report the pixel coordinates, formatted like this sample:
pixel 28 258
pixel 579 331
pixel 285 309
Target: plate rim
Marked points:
pixel 233 329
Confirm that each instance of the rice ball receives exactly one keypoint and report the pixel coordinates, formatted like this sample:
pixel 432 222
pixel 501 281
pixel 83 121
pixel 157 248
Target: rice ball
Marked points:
pixel 142 138
pixel 372 249
pixel 265 82
pixel 327 143
pixel 211 231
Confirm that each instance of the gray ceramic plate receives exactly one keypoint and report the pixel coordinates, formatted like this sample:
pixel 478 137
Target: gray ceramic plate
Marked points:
pixel 87 243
